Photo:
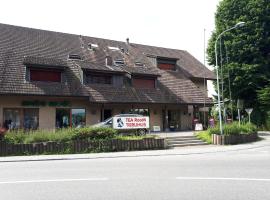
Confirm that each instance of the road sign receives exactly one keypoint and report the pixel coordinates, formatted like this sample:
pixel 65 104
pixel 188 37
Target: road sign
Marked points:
pixel 249 111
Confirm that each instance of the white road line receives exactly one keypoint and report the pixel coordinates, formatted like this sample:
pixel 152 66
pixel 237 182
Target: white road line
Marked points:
pixel 53 180
pixel 223 179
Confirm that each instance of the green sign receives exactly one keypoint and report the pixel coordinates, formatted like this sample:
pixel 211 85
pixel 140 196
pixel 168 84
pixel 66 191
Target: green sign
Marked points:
pixel 37 103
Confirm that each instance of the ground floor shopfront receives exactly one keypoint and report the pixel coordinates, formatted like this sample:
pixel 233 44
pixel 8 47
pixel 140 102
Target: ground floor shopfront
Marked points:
pixel 33 112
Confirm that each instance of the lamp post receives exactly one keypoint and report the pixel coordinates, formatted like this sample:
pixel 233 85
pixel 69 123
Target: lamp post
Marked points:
pixel 239 24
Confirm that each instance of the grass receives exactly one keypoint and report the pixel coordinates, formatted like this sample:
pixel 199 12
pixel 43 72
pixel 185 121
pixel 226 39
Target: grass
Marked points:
pixel 205 136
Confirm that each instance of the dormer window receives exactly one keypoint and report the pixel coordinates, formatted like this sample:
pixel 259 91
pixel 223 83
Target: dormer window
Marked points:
pixel 144 82
pixel 93 78
pixel 119 62
pixel 74 57
pixel 45 75
pixel 166 64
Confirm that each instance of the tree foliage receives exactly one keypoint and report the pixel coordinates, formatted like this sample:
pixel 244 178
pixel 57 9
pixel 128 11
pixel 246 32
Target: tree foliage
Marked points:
pixel 245 56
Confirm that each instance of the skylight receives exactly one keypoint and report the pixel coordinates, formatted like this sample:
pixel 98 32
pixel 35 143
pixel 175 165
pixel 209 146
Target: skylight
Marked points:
pixel 113 48
pixel 92 46
pixel 138 63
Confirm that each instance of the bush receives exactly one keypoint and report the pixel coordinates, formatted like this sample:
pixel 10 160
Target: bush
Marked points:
pixel 213 130
pixel 15 137
pixel 248 128
pixel 61 135
pixel 234 129
pixel 94 133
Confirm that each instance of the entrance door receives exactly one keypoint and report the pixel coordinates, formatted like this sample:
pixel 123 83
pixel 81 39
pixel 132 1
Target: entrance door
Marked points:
pixel 174 120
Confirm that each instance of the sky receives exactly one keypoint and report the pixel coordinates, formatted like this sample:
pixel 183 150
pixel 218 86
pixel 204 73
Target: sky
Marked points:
pixel 178 24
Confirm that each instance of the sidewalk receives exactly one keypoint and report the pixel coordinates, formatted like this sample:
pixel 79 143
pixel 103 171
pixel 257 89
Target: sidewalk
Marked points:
pixel 168 152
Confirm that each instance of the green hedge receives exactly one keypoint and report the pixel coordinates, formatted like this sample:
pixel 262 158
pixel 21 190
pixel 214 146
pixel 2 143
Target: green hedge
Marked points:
pixel 229 129
pixel 61 135
pixel 234 129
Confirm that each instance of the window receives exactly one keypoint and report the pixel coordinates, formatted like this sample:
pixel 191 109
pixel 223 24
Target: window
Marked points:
pixel 166 64
pixel 119 62
pixel 16 118
pixel 78 117
pixel 30 118
pixel 98 79
pixel 45 75
pixel 140 111
pixel 143 82
pixel 66 117
pixel 74 57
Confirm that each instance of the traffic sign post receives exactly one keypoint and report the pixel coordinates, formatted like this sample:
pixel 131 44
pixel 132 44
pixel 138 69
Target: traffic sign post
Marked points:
pixel 249 111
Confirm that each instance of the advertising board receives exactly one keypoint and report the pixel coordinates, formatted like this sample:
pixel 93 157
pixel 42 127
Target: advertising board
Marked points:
pixel 130 122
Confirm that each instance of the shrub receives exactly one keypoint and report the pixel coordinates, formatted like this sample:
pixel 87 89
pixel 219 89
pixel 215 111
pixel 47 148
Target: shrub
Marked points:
pixel 234 129
pixel 94 133
pixel 214 130
pixel 248 128
pixel 15 137
pixel 61 135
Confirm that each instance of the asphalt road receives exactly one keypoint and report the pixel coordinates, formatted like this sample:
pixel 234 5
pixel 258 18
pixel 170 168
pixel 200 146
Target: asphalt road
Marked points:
pixel 240 175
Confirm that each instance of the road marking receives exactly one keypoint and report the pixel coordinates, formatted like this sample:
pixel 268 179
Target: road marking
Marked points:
pixel 223 178
pixel 54 180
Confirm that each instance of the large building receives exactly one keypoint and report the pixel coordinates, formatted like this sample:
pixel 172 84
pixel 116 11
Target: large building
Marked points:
pixel 52 80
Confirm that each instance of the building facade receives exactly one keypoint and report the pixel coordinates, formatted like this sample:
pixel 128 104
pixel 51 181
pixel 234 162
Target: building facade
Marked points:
pixel 52 80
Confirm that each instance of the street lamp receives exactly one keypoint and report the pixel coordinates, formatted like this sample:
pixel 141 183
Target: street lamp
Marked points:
pixel 238 25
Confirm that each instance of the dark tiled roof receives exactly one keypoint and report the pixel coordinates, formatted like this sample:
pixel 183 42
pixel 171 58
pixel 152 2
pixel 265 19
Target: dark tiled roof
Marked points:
pixel 41 61
pixel 107 93
pixel 91 66
pixel 20 46
pixel 186 62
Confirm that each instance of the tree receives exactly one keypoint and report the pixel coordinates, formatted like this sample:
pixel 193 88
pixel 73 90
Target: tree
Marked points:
pixel 247 49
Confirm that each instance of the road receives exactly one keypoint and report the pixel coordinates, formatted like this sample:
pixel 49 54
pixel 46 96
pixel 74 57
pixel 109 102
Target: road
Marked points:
pixel 232 175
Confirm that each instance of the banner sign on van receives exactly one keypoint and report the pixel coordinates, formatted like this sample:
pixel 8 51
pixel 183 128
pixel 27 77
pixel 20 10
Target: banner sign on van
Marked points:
pixel 130 122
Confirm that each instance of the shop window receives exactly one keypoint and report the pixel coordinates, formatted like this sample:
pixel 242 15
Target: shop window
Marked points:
pixel 78 117
pixel 98 79
pixel 143 82
pixel 166 64
pixel 17 118
pixel 45 75
pixel 30 118
pixel 70 118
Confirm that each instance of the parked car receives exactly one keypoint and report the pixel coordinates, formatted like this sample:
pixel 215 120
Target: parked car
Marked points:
pixel 109 123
